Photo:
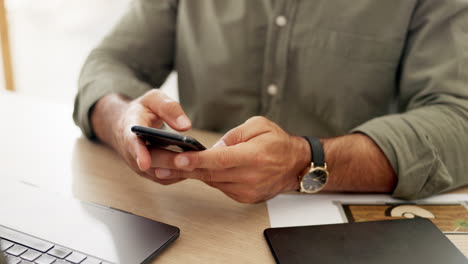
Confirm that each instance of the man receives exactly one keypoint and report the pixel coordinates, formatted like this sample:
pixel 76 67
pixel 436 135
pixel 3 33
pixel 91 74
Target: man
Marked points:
pixel 383 84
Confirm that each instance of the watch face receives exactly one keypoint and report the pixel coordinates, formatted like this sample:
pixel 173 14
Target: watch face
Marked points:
pixel 314 181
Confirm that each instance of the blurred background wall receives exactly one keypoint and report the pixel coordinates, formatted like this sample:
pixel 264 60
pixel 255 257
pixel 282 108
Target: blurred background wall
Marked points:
pixel 50 40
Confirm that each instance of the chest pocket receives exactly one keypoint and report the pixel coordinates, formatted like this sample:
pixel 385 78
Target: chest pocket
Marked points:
pixel 344 58
pixel 349 46
pixel 343 79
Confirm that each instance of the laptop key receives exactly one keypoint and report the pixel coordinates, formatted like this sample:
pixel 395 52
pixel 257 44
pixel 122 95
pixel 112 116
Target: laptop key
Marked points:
pixel 90 260
pixel 45 259
pixel 12 259
pixel 16 250
pixel 26 262
pixel 5 244
pixel 30 255
pixel 59 252
pixel 26 240
pixel 61 261
pixel 75 257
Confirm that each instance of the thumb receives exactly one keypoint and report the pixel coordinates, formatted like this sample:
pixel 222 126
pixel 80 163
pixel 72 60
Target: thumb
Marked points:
pixel 243 133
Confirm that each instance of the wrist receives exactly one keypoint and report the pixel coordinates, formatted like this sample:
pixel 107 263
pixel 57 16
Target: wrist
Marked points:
pixel 330 152
pixel 106 116
pixel 357 164
pixel 302 159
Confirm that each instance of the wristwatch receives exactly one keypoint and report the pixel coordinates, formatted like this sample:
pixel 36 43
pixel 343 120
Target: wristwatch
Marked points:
pixel 315 176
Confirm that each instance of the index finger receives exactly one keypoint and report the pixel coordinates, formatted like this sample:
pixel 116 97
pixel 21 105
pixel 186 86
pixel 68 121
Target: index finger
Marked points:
pixel 167 109
pixel 216 158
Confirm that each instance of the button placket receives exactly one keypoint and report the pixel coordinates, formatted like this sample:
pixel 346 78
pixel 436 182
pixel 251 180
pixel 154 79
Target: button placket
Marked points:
pixel 276 88
pixel 281 21
pixel 275 59
pixel 272 89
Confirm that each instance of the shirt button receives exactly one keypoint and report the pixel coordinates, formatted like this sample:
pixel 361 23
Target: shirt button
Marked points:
pixel 272 89
pixel 281 21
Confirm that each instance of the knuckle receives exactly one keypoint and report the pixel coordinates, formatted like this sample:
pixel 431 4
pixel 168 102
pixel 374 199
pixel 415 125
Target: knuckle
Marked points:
pixel 155 92
pixel 255 119
pixel 170 107
pixel 223 159
pixel 260 160
pixel 151 94
pixel 242 198
pixel 203 175
pixel 209 175
pixel 259 120
pixel 236 135
pixel 251 196
pixel 252 180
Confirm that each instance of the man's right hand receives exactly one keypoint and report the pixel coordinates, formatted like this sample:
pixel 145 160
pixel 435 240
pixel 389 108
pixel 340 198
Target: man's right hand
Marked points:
pixel 113 116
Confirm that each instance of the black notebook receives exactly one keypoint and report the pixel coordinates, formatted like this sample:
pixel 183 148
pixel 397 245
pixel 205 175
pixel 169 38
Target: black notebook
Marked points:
pixel 392 241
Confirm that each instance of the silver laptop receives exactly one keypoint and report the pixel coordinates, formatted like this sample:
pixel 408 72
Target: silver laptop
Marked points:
pixel 41 227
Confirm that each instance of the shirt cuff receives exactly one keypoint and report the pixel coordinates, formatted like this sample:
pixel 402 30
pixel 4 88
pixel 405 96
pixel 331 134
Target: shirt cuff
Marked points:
pixel 414 158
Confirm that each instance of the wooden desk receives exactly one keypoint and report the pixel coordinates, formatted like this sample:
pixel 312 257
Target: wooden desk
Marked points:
pixel 40 145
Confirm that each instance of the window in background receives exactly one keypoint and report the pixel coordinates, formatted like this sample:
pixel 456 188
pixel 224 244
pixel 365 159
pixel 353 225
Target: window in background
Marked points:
pixel 50 40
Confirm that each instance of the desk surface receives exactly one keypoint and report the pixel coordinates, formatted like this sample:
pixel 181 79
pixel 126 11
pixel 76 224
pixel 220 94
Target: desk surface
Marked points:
pixel 42 146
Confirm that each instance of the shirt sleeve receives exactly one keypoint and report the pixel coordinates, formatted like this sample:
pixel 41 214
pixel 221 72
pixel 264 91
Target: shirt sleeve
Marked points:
pixel 135 57
pixel 427 142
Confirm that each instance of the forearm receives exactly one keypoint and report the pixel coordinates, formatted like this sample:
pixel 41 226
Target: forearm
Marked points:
pixel 106 115
pixel 357 164
pixel 135 57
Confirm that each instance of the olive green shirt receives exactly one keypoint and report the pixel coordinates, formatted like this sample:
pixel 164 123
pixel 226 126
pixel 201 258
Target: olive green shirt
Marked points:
pixel 395 70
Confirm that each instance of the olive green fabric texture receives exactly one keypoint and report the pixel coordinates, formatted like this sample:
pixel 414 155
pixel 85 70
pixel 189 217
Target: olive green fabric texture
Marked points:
pixel 394 70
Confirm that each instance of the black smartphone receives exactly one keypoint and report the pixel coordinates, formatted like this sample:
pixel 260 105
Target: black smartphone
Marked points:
pixel 168 140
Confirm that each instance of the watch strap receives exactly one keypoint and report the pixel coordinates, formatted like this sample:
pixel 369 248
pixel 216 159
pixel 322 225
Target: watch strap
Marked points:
pixel 316 149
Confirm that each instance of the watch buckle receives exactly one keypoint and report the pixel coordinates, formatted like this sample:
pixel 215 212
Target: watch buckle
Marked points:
pixel 323 167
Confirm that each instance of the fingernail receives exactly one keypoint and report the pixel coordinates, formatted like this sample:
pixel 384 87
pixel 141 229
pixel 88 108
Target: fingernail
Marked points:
pixel 181 161
pixel 219 143
pixel 162 173
pixel 183 121
pixel 138 163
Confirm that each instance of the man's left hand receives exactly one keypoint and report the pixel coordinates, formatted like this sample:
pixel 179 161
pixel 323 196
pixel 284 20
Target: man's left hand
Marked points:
pixel 251 163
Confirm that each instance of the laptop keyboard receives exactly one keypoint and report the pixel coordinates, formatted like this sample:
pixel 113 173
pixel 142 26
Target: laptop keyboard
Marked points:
pixel 24 249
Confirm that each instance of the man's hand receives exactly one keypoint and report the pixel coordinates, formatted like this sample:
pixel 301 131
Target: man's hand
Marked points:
pixel 251 163
pixel 114 115
pixel 258 160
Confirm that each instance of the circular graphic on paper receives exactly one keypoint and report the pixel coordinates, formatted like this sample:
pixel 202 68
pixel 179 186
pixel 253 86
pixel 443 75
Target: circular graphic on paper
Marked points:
pixel 409 211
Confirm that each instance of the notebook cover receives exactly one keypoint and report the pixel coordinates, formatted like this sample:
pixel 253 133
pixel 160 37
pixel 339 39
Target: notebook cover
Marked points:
pixel 392 241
